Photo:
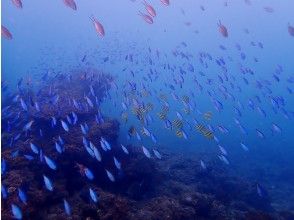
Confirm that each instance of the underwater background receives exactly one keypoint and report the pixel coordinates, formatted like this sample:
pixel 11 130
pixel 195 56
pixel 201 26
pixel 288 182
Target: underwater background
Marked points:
pixel 159 109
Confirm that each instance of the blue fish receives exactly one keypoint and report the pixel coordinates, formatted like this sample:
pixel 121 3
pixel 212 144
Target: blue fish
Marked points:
pixel 50 163
pixel 28 157
pixel 28 126
pixel 23 105
pixel 60 140
pixel 4 191
pixel 3 167
pixel 22 196
pixel 89 173
pixel 93 195
pixel 34 148
pixel 64 125
pixel 58 148
pixel 67 208
pixel 16 211
pixel 48 183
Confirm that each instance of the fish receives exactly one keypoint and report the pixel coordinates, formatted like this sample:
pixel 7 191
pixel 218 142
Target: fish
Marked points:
pixel 260 134
pixel 23 105
pixel 147 18
pixel 117 163
pixel 22 196
pixel 59 148
pixel 6 33
pixel 48 183
pixel 276 128
pixel 97 154
pixel 291 30
pixel 17 3
pixel 146 152
pixel 50 163
pixel 110 175
pixel 93 195
pixel 165 2
pixel 151 11
pixel 4 192
pixel 90 103
pixel 16 211
pixel 28 125
pixel 244 147
pixel 222 29
pixel 98 26
pixel 88 173
pixel 64 125
pixel 125 150
pixel 224 159
pixel 71 4
pixel 202 164
pixel 67 208
pixel 34 148
pixel 157 154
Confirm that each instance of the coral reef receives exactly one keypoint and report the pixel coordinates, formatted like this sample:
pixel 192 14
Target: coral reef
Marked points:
pixel 172 188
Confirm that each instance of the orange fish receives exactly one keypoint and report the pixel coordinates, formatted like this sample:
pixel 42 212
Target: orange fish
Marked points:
pixel 151 11
pixel 71 4
pixel 17 3
pixel 165 2
pixel 291 30
pixel 147 18
pixel 268 9
pixel 5 33
pixel 222 29
pixel 98 26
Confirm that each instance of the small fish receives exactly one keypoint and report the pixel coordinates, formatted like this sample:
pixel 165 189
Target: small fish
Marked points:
pixel 59 148
pixel 93 195
pixel 202 164
pixel 146 152
pixel 4 191
pixel 3 166
pixel 64 125
pixel 222 29
pixel 223 150
pixel 125 150
pixel 276 128
pixel 50 163
pixel 17 3
pixel 28 126
pixel 165 2
pixel 224 159
pixel 34 148
pixel 117 163
pixel 157 154
pixel 260 134
pixel 110 176
pixel 67 208
pixel 71 4
pixel 28 157
pixel 244 147
pixel 97 154
pixel 22 196
pixel 48 183
pixel 23 104
pixel 16 211
pixel 89 173
pixel 83 129
pixel 147 18
pixel 90 103
pixel 151 11
pixel 98 26
pixel 5 33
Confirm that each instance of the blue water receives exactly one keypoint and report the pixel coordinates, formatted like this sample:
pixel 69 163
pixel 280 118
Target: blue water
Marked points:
pixel 50 37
